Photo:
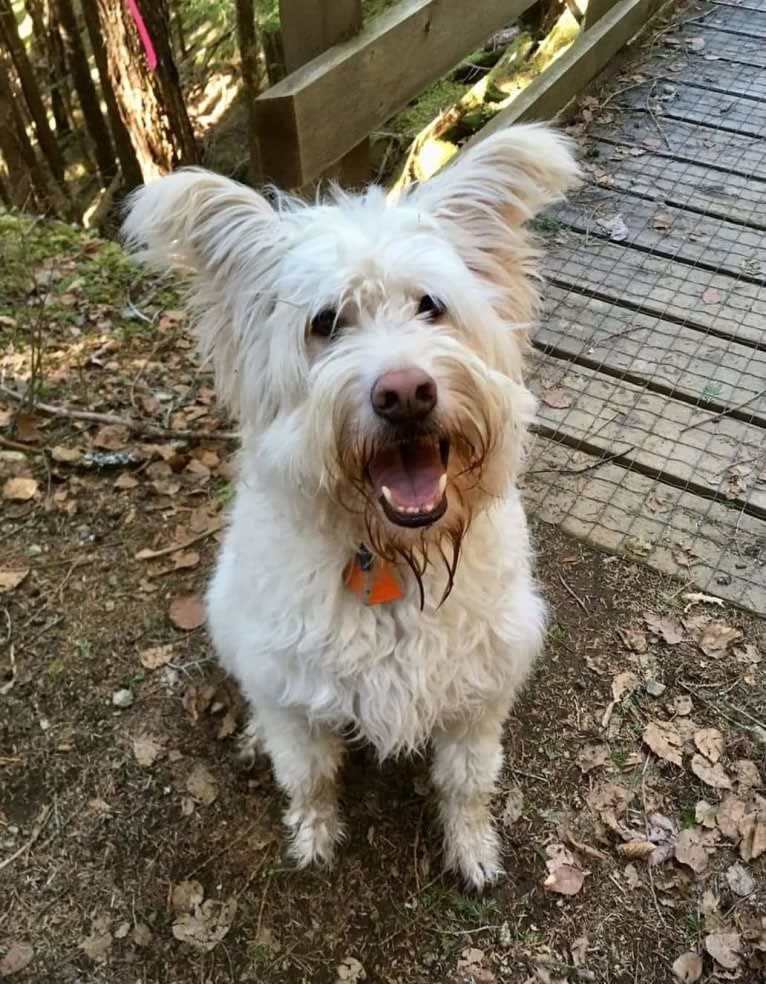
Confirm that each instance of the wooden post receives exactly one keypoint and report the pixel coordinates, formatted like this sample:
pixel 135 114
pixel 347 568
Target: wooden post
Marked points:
pixel 595 11
pixel 310 27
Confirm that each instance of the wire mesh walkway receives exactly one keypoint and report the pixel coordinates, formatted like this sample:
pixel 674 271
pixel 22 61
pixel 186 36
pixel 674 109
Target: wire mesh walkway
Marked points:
pixel 651 357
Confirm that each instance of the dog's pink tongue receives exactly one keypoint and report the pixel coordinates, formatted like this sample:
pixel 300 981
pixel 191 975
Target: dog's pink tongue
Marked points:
pixel 410 472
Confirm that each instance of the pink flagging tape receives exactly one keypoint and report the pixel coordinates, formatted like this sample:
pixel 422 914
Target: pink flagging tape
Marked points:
pixel 151 54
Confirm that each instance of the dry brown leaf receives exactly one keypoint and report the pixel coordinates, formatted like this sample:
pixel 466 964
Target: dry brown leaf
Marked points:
pixel 710 774
pixel 18 956
pixel 746 774
pixel 635 640
pixel 10 580
pixel 705 814
pixel 111 437
pixel 351 971
pixel 717 638
pixel 202 786
pixel 739 879
pixel 609 802
pixel 125 481
pixel 66 456
pixel 514 806
pixel 682 706
pixel 565 879
pixel 725 949
pixel 711 296
pixel 632 877
pixel 196 700
pixel 20 489
pixel 557 397
pixel 729 816
pixel 186 895
pixel 624 683
pixel 207 925
pixel 662 221
pixel 167 486
pixel 669 629
pixel 636 850
pixel 688 968
pixel 146 750
pixel 185 559
pixel 98 944
pixel 187 612
pixel 26 429
pixel 690 849
pixel 157 656
pixel 664 741
pixel 591 757
pixel 710 742
pixel 753 830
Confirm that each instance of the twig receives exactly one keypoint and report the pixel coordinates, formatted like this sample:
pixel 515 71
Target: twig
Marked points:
pixel 6 442
pixel 726 412
pixel 717 710
pixel 136 426
pixel 576 597
pixel 586 468
pixel 174 548
pixel 40 825
pixel 262 905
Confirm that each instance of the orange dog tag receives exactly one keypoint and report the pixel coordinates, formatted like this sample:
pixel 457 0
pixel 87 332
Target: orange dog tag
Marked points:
pixel 371 579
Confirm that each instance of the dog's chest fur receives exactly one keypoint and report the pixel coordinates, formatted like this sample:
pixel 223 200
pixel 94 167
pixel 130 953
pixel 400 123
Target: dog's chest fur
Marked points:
pixel 289 630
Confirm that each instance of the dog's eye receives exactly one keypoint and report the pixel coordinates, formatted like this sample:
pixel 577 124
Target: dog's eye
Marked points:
pixel 430 306
pixel 326 323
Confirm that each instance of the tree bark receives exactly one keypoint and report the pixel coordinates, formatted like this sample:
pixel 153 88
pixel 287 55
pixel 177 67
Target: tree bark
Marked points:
pixel 9 32
pixel 28 182
pixel 151 103
pixel 77 60
pixel 248 48
pixel 58 74
pixel 126 155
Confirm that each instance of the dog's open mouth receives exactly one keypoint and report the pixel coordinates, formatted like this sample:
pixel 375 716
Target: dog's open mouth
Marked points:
pixel 410 480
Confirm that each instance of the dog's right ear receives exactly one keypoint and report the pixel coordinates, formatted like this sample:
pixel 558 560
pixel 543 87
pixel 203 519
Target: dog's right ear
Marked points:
pixel 196 221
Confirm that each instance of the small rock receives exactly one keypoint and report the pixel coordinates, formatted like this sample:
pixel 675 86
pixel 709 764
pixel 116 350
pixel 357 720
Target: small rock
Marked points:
pixel 655 689
pixel 123 698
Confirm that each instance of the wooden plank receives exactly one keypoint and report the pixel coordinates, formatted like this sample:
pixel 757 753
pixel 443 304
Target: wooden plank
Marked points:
pixel 694 69
pixel 742 4
pixel 595 10
pixel 655 433
pixel 705 301
pixel 689 142
pixel 719 44
pixel 670 100
pixel 564 79
pixel 748 23
pixel 724 194
pixel 319 112
pixel 668 231
pixel 705 369
pixel 713 548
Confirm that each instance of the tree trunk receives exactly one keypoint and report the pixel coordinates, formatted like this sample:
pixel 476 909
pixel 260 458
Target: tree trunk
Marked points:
pixel 58 74
pixel 131 171
pixel 9 32
pixel 77 60
pixel 151 103
pixel 248 48
pixel 28 182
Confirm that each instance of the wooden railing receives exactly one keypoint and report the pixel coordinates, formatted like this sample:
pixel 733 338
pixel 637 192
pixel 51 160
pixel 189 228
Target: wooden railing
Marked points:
pixel 347 78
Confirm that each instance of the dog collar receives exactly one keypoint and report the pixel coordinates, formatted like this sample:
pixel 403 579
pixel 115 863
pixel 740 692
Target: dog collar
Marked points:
pixel 371 578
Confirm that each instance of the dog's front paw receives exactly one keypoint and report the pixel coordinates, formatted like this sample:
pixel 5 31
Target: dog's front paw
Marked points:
pixel 315 831
pixel 473 851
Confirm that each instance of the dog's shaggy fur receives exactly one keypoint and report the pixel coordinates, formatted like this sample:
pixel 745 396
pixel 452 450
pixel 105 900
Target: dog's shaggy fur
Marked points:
pixel 304 310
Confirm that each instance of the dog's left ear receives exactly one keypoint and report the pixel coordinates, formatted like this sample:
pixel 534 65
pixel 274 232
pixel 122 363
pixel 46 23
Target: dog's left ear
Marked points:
pixel 504 180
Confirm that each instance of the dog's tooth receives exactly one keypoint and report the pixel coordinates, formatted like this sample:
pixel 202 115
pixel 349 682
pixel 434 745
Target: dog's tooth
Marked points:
pixel 387 495
pixel 442 485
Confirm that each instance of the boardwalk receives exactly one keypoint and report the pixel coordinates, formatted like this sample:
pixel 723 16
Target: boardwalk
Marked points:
pixel 651 357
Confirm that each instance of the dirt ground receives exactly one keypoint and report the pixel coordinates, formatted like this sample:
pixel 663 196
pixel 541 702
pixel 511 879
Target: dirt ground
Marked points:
pixel 133 845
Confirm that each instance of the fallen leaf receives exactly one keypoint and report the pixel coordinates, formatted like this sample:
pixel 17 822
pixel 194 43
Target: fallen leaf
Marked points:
pixel 664 741
pixel 696 44
pixel 66 456
pixel 705 813
pixel 739 879
pixel 609 802
pixel 746 773
pixel 125 481
pixel 146 750
pixel 111 437
pixel 185 559
pixel 196 700
pixel 157 656
pixel 729 815
pixel 615 228
pixel 717 638
pixel 350 971
pixel 98 944
pixel 636 850
pixel 565 879
pixel 624 683
pixel 710 742
pixel 662 221
pixel 18 956
pixel 690 849
pixel 710 774
pixel 187 612
pixel 632 877
pixel 688 968
pixel 753 830
pixel 711 296
pixel 10 580
pixel 725 949
pixel 635 640
pixel 142 935
pixel 202 785
pixel 557 398
pixel 668 628
pixel 207 925
pixel 20 489
pixel 514 806
pixel 591 757
pixel 682 705
pixel 186 895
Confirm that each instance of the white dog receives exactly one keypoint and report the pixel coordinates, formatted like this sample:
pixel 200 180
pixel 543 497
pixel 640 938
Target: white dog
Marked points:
pixel 375 580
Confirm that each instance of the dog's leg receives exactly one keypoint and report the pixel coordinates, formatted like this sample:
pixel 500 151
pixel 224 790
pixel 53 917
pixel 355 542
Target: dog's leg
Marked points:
pixel 305 760
pixel 467 761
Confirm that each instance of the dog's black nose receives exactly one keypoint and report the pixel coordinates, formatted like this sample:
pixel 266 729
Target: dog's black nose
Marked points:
pixel 404 394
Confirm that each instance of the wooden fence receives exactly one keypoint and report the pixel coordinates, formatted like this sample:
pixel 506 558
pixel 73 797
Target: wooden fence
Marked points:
pixel 347 78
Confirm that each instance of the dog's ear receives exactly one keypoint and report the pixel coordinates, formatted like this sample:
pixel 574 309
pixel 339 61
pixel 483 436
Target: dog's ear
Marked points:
pixel 194 220
pixel 505 178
